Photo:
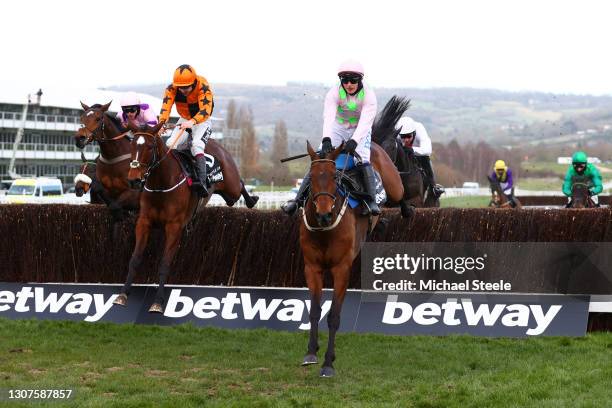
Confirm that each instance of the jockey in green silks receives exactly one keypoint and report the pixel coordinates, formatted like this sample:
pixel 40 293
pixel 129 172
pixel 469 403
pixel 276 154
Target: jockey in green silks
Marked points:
pixel 582 169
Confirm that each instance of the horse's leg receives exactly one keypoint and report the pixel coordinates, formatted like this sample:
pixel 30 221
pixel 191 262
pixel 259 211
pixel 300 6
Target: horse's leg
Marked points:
pixel 173 236
pixel 249 200
pixel 340 274
pixel 143 228
pixel 314 280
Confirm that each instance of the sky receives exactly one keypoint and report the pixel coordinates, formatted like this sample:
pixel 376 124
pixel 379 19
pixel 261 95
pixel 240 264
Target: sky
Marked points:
pixel 535 45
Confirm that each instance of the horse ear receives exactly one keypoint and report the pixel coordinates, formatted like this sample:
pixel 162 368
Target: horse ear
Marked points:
pixel 311 152
pixel 155 129
pixel 104 108
pixel 334 153
pixel 85 107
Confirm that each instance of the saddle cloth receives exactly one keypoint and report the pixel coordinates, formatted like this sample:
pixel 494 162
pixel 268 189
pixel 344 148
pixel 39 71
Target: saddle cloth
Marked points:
pixel 213 166
pixel 351 182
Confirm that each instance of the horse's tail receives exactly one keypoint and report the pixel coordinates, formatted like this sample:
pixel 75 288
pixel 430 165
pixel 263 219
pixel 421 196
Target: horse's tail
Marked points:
pixel 384 124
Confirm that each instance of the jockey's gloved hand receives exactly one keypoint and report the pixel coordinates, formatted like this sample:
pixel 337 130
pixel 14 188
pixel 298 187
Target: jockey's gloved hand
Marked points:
pixel 326 146
pixel 350 146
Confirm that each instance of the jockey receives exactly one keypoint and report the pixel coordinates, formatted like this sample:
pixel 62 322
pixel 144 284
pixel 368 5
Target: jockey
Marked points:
pixel 349 111
pixel 503 174
pixel 133 110
pixel 412 135
pixel 194 102
pixel 581 168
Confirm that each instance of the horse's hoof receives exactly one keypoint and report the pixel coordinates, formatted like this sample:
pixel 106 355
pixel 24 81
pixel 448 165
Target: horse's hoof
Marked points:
pixel 327 372
pixel 121 300
pixel 156 308
pixel 310 359
pixel 254 200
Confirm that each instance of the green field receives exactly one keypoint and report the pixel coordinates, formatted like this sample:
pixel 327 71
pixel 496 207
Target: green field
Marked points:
pixel 129 366
pixel 465 201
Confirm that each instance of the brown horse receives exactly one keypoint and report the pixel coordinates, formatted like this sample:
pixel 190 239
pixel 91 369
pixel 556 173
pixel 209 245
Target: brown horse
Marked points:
pixel 113 164
pixel 580 195
pixel 168 201
pixel 498 198
pixel 86 182
pixel 331 235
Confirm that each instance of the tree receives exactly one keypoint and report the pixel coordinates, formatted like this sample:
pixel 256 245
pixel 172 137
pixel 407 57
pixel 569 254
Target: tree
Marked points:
pixel 232 119
pixel 280 171
pixel 249 148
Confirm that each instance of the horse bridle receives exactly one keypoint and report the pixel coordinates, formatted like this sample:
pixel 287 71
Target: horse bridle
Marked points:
pixel 338 176
pixel 100 128
pixel 324 193
pixel 153 163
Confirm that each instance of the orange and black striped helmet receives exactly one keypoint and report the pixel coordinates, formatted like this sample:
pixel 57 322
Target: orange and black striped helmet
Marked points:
pixel 184 75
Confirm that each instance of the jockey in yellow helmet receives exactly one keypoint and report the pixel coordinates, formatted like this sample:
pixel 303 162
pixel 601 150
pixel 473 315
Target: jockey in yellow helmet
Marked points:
pixel 503 175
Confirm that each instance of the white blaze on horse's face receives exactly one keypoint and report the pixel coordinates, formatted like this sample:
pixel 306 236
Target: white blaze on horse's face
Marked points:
pixel 90 113
pixel 140 141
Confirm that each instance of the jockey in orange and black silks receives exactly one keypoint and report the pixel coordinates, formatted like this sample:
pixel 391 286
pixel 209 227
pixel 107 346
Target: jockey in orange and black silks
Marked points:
pixel 193 98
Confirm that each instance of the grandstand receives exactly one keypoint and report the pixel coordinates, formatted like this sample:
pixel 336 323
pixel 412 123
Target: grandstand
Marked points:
pixel 47 146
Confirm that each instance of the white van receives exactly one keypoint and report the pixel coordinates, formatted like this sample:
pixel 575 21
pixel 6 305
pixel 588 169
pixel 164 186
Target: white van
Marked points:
pixel 35 190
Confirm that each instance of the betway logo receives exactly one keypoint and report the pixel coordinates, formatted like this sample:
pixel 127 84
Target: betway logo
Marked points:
pixel 233 306
pixel 512 315
pixel 71 303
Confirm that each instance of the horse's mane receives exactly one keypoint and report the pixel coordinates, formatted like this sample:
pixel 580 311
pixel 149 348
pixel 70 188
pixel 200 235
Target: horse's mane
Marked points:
pixel 113 119
pixel 384 124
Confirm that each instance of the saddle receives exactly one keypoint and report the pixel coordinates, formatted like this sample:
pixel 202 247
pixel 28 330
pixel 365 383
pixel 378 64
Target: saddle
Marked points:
pixel 350 182
pixel 213 167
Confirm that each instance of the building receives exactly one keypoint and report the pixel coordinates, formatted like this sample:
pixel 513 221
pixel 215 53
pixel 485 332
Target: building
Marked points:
pixel 47 145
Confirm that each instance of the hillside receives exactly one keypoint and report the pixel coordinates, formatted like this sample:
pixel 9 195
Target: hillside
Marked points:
pixel 509 118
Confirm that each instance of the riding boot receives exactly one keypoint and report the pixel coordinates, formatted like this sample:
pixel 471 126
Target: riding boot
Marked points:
pixel 436 189
pixel 201 170
pixel 291 206
pixel 369 182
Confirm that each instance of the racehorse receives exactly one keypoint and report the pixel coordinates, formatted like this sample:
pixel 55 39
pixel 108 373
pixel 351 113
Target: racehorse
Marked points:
pixel 385 134
pixel 498 198
pixel 113 164
pixel 580 195
pixel 86 182
pixel 331 234
pixel 168 200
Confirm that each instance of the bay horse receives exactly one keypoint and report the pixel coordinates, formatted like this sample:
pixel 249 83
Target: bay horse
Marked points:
pixel 112 165
pixel 331 234
pixel 385 134
pixel 580 194
pixel 87 182
pixel 168 201
pixel 498 198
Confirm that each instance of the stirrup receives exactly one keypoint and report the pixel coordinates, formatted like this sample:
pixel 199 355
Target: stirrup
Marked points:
pixel 290 207
pixel 370 208
pixel 201 189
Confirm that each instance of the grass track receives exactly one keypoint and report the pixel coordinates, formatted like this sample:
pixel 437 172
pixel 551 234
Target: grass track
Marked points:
pixel 127 365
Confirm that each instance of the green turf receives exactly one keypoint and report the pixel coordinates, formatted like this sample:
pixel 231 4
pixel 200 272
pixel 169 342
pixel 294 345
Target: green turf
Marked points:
pixel 127 365
pixel 465 201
